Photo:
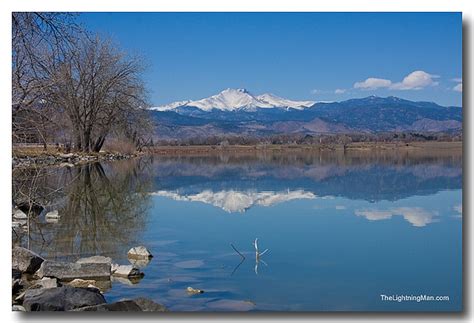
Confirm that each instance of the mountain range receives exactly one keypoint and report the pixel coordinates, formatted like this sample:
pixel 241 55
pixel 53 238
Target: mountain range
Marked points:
pixel 239 112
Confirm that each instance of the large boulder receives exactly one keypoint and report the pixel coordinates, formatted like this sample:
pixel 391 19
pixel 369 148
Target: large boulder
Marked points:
pixel 121 306
pixel 25 261
pixel 64 298
pixel 70 271
pixel 139 252
pixel 136 305
pixel 148 305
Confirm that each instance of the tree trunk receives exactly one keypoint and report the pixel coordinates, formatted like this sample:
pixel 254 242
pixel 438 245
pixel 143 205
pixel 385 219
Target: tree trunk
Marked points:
pixel 98 144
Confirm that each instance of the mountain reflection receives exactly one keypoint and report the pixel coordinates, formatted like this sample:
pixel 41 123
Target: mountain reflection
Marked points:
pixel 235 201
pixel 101 207
pixel 370 176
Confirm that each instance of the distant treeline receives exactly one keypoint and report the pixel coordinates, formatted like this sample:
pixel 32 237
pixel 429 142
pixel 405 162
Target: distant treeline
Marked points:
pixel 306 139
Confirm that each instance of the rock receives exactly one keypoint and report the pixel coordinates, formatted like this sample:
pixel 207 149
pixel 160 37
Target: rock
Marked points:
pixel 18 224
pixel 132 280
pixel 52 214
pixel 47 282
pixel 81 282
pixel 137 305
pixel 17 286
pixel 64 298
pixel 19 214
pixel 102 285
pixel 148 305
pixel 66 156
pixel 126 271
pixel 139 252
pixel 16 274
pixel 70 271
pixel 52 220
pixel 95 260
pixel 25 261
pixel 18 308
pixel 193 291
pixel 121 306
pixel 139 263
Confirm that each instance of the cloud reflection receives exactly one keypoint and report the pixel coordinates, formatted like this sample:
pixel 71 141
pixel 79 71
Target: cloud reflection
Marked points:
pixel 417 216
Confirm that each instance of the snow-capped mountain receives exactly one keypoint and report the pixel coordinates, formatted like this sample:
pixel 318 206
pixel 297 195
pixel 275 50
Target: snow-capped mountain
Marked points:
pixel 236 112
pixel 237 201
pixel 237 99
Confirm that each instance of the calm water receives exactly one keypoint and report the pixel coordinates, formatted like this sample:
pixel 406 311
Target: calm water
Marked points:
pixel 341 229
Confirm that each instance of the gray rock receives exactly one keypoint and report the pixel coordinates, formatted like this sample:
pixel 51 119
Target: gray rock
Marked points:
pixel 25 261
pixel 17 286
pixel 19 214
pixel 126 271
pixel 148 305
pixel 121 306
pixel 16 274
pixel 64 298
pixel 139 252
pixel 95 260
pixel 18 308
pixel 139 263
pixel 102 285
pixel 136 305
pixel 70 271
pixel 52 214
pixel 47 282
pixel 132 280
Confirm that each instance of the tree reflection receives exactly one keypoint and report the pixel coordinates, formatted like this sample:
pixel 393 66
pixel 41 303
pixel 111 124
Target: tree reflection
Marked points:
pixel 102 209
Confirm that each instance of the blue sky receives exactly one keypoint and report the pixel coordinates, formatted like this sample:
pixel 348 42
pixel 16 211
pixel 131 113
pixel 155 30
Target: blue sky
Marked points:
pixel 314 56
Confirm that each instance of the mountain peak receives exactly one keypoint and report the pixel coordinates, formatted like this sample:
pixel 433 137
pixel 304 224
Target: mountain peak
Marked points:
pixel 238 99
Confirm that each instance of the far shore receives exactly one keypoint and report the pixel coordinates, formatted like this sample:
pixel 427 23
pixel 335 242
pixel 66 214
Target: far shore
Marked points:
pixel 355 146
pixel 25 156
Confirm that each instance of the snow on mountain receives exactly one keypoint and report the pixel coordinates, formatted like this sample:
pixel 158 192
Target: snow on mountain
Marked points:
pixel 236 201
pixel 237 99
pixel 277 101
pixel 171 106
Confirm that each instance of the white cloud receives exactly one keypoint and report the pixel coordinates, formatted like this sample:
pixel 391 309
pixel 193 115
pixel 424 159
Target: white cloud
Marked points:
pixel 457 80
pixel 417 216
pixel 316 91
pixel 340 91
pixel 416 80
pixel 372 83
pixel 458 88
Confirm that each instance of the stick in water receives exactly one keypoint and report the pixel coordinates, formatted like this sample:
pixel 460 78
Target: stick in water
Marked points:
pixel 237 251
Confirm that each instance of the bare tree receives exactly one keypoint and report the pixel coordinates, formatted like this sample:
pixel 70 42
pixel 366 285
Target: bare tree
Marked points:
pixel 99 88
pixel 36 37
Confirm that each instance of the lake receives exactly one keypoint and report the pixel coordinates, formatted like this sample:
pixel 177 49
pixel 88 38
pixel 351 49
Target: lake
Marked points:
pixel 341 229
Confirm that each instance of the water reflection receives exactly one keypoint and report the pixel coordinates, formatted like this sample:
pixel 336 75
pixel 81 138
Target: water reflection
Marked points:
pixel 318 213
pixel 371 176
pixel 100 207
pixel 417 216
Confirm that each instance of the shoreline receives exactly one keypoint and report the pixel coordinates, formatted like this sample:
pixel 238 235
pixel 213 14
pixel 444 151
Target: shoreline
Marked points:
pixel 356 146
pixel 33 157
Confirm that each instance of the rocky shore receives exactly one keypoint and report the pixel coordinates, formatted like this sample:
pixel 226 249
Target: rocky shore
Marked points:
pixel 39 284
pixel 20 159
